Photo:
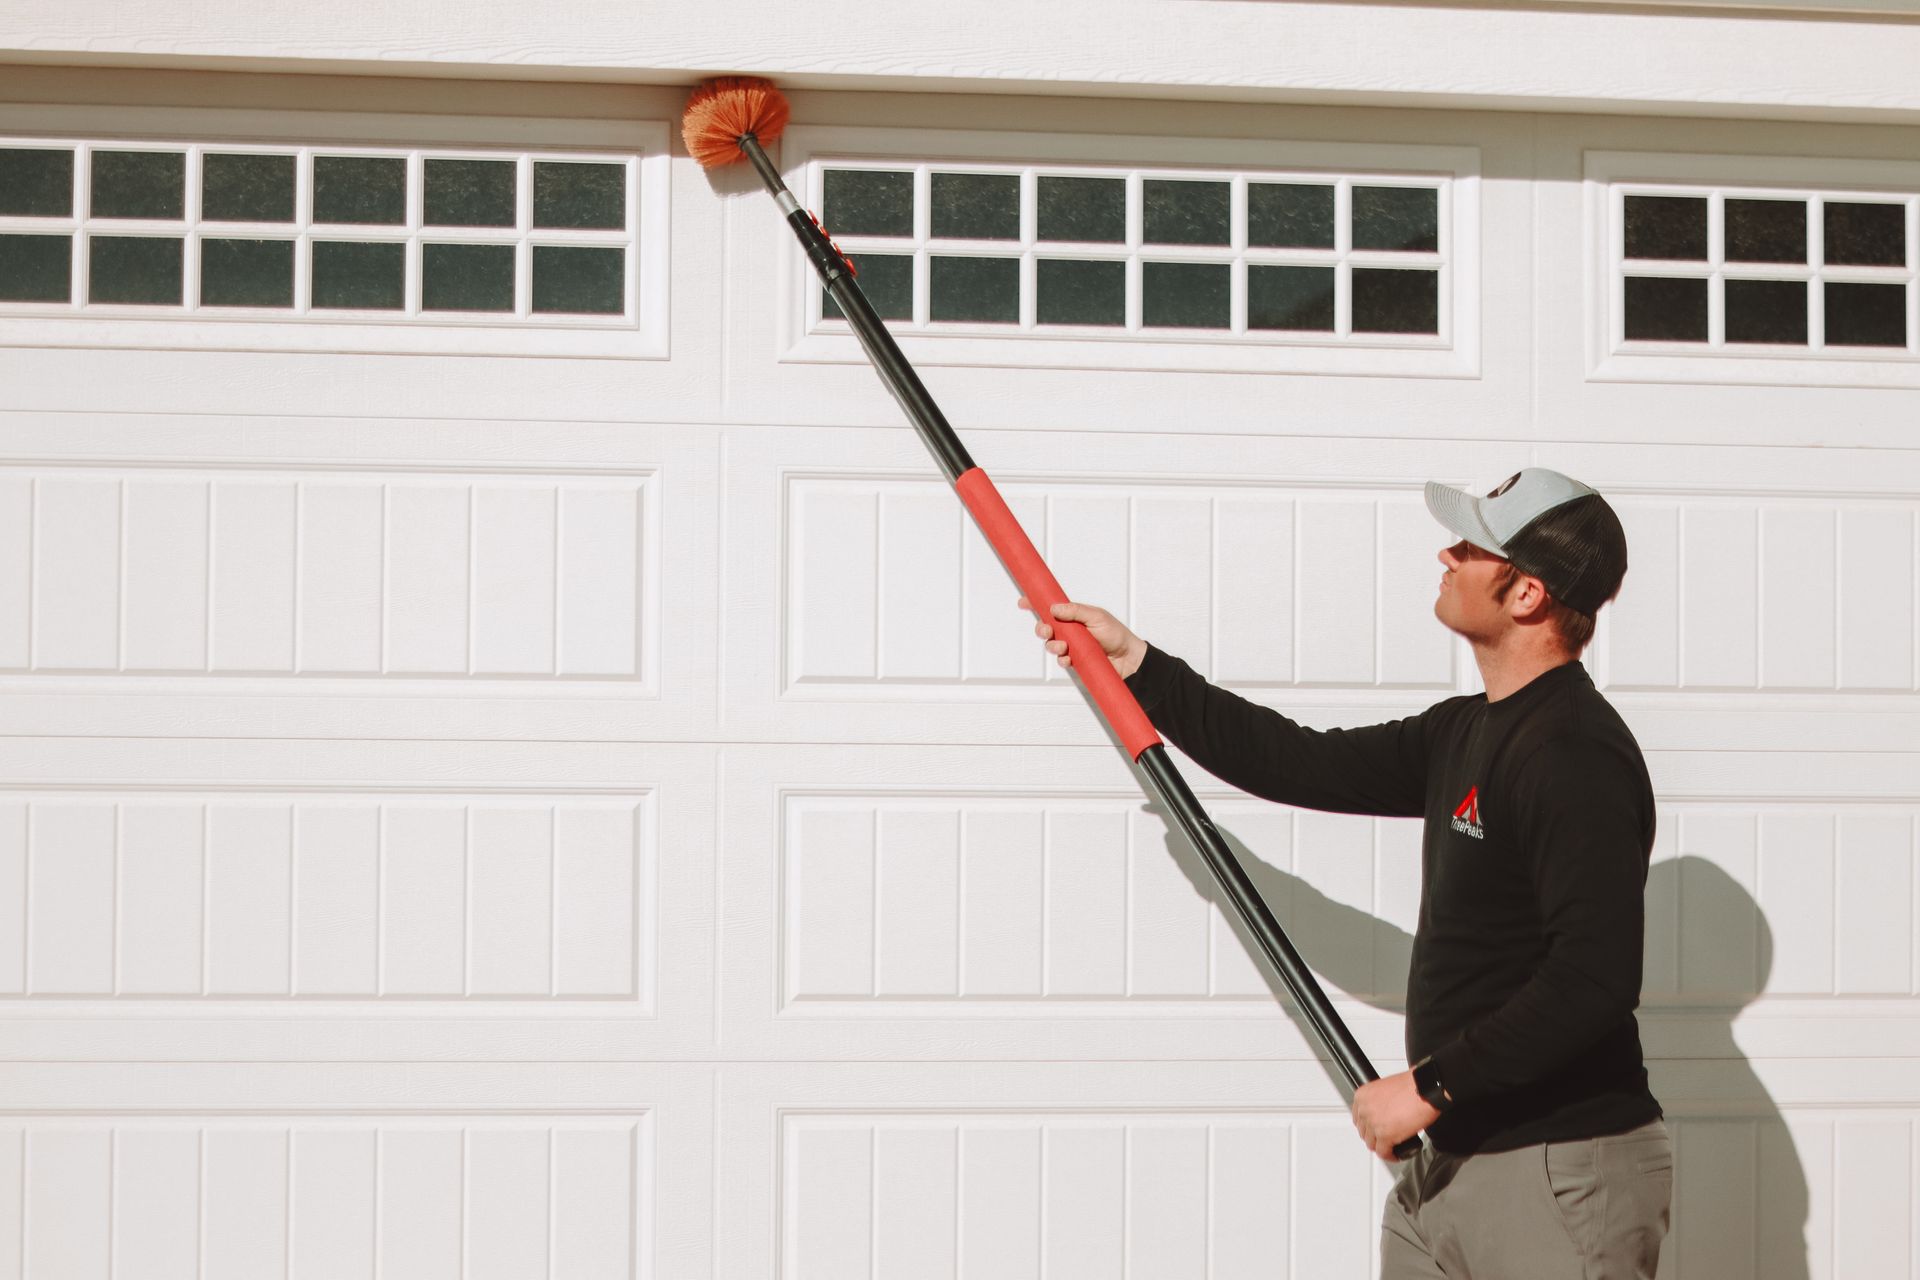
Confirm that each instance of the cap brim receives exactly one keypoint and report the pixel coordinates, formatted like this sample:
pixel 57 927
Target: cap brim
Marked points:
pixel 1459 511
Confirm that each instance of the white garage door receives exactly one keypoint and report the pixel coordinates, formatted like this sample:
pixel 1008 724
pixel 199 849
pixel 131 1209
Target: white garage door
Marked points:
pixel 516 766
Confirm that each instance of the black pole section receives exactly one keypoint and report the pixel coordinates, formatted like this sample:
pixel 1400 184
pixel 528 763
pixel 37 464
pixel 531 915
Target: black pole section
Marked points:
pixel 1165 781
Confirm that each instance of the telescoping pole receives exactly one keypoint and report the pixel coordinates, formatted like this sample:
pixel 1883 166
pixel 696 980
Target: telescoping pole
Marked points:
pixel 1110 694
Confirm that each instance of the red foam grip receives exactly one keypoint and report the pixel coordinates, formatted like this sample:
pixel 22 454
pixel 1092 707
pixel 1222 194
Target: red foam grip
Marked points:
pixel 1036 581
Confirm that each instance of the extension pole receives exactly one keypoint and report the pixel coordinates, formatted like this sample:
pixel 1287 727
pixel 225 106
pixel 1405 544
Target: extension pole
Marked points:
pixel 1110 694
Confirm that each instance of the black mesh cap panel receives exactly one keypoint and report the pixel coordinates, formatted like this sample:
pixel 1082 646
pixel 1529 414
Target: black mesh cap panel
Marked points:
pixel 1577 549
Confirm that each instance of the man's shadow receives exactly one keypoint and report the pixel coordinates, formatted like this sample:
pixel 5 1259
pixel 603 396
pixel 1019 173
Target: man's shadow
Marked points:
pixel 1744 1146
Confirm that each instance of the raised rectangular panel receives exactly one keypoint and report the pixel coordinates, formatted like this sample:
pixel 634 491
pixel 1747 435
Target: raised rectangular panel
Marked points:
pixel 1797 576
pixel 1876 598
pixel 333 1201
pixel 600 580
pixel 510 947
pixel 1874 908
pixel 254 575
pixel 829 883
pixel 1167 1198
pixel 1643 645
pixel 1002 925
pixel 1091 548
pixel 1660 969
pixel 423 889
pixel 915 1187
pixel 1249 1180
pixel 1715 1192
pixel 1000 1207
pixel 596 900
pixel 1334 622
pixel 1262 838
pixel 245 1231
pixel 1253 577
pixel 1719 940
pixel 1796 895
pixel 1795 1207
pixel 341 531
pixel 16 573
pixel 997 641
pixel 916 891
pixel 1168 922
pixel 1720 571
pixel 166 574
pixel 1411 644
pixel 156 1202
pixel 162 895
pixel 836 545
pixel 918 600
pixel 420 1187
pixel 13 1201
pixel 336 890
pixel 831 1184
pixel 1174 596
pixel 250 899
pixel 69 1185
pixel 1396 904
pixel 1873 1198
pixel 1333 858
pixel 593 1228
pixel 427 578
pixel 1086 903
pixel 507 1209
pixel 70 907
pixel 13 898
pixel 1085 1198
pixel 1335 1212
pixel 514 579
pixel 76 575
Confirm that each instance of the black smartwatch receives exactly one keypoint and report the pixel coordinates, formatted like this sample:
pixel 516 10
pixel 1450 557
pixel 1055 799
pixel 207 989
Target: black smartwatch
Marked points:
pixel 1426 1079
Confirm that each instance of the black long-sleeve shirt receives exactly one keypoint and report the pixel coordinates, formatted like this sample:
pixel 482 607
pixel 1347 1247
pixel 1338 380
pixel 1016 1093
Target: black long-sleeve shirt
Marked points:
pixel 1539 826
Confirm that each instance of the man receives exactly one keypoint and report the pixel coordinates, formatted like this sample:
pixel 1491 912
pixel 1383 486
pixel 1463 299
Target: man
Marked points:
pixel 1549 1157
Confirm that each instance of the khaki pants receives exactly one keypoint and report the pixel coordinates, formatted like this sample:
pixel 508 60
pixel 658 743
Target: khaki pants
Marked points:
pixel 1589 1210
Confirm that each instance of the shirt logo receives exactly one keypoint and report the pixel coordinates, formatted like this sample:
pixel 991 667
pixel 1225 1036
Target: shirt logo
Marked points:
pixel 1466 819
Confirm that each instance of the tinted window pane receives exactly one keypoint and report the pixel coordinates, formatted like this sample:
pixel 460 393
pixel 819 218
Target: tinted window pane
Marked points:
pixel 1082 292
pixel 139 269
pixel 470 193
pixel 36 268
pixel 1396 218
pixel 887 280
pixel 1396 301
pixel 1766 231
pixel 1284 215
pixel 1866 235
pixel 1090 209
pixel 1767 311
pixel 1290 298
pixel 239 188
pixel 976 206
pixel 360 189
pixel 246 273
pixel 579 281
pixel 981 290
pixel 868 202
pixel 1673 227
pixel 354 276
pixel 1666 310
pixel 579 195
pixel 1186 212
pixel 1186 295
pixel 467 277
pixel 1866 315
pixel 139 184
pixel 36 182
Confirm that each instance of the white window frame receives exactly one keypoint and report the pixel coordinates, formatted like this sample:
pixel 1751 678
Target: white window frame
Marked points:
pixel 1611 176
pixel 642 145
pixel 806 151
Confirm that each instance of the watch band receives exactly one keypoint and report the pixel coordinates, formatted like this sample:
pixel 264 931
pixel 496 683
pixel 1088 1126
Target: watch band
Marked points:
pixel 1426 1079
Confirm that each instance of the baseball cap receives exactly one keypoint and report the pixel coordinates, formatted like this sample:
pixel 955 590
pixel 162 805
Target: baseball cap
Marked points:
pixel 1550 526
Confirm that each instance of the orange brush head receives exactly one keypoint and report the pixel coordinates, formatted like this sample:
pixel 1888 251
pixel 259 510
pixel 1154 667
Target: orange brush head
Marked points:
pixel 721 110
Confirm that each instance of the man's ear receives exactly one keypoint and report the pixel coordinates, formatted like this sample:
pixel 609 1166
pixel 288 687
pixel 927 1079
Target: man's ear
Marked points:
pixel 1528 600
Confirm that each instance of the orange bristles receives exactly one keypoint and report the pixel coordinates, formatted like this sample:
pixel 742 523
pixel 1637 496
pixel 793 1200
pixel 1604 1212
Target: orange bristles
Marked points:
pixel 721 110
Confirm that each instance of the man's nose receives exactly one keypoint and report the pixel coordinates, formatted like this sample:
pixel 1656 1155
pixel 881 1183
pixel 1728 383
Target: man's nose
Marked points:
pixel 1447 558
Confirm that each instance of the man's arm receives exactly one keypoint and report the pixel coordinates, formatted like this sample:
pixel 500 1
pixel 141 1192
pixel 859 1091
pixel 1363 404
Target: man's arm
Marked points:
pixel 1579 810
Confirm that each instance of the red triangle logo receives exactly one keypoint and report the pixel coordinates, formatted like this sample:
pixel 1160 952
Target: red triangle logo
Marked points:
pixel 1470 807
